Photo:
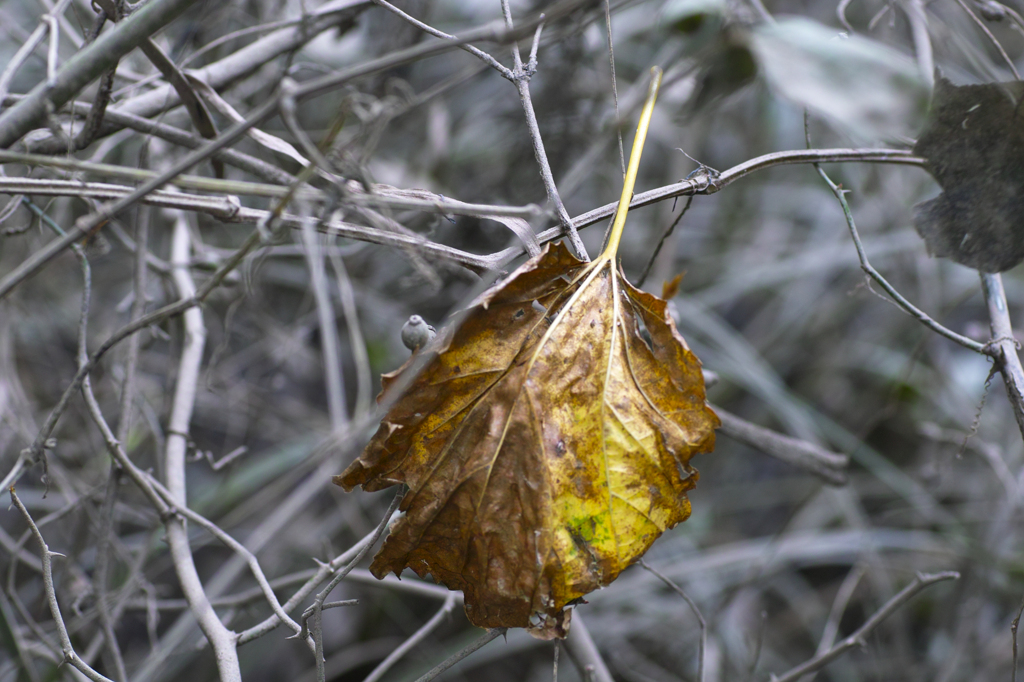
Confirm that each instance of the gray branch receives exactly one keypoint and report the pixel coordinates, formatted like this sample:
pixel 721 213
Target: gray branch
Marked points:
pixel 88 65
pixel 830 466
pixel 51 597
pixel 221 638
pixel 859 637
pixel 1003 346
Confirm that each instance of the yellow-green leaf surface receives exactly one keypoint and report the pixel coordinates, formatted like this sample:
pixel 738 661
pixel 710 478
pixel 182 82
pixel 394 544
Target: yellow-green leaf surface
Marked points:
pixel 546 442
pixel 546 445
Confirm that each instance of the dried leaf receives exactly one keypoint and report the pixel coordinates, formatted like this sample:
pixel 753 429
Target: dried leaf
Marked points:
pixel 670 288
pixel 974 146
pixel 545 444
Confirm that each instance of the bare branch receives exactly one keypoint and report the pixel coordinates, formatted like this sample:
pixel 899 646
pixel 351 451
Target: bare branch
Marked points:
pixel 615 84
pixel 521 79
pixel 841 14
pixel 51 596
pixel 916 14
pixel 459 656
pixel 696 612
pixel 221 638
pixel 835 616
pixel 476 52
pixel 364 378
pixel 699 186
pixel 417 637
pixel 859 637
pixel 683 188
pixel 250 559
pixel 228 210
pixel 896 296
pixel 581 648
pixel 333 378
pixel 830 466
pixel 314 611
pixel 100 56
pixel 313 88
pixel 661 242
pixel 995 42
pixel 314 580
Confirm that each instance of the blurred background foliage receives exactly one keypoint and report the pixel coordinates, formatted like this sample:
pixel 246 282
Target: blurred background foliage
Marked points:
pixel 773 301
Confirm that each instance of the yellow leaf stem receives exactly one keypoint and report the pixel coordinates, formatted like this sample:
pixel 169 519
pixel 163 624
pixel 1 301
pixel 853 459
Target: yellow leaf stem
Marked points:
pixel 631 170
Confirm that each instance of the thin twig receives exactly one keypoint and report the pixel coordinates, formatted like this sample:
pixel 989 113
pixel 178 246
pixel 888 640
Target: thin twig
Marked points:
pixel 245 597
pixel 992 38
pixel 330 352
pixel 476 52
pixel 116 450
pixel 916 14
pixel 94 120
pixel 522 82
pixel 312 581
pixel 92 61
pixel 615 99
pixel 1013 633
pixel 417 637
pixel 19 58
pixel 699 185
pixel 235 546
pixel 762 11
pixel 661 242
pixel 106 534
pixel 18 639
pixel 758 647
pixel 108 521
pixel 835 616
pixel 702 647
pixel 364 378
pixel 86 224
pixel 53 49
pixel 249 164
pixel 217 465
pixel 107 512
pixel 859 637
pixel 241 33
pixel 830 466
pixel 51 596
pixel 531 64
pixel 897 297
pixel 605 130
pixel 314 612
pixel 460 655
pixel 841 14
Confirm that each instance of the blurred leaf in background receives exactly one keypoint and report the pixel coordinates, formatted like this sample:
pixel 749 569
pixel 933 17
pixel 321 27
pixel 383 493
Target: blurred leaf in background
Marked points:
pixel 863 87
pixel 974 144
